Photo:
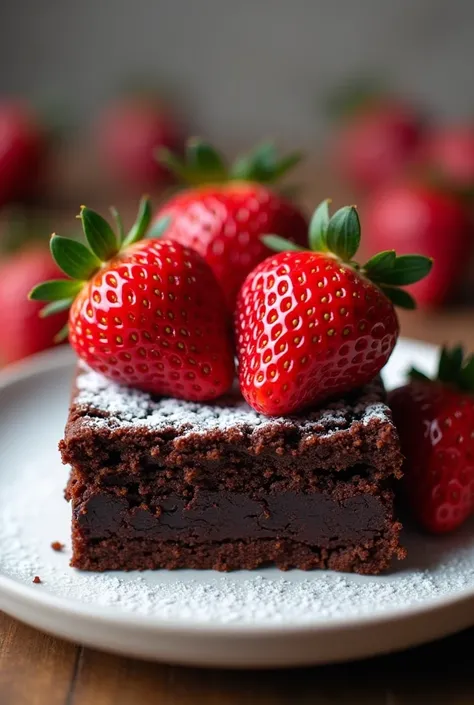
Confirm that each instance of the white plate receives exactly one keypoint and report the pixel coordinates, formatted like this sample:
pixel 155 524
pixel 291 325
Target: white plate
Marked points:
pixel 244 619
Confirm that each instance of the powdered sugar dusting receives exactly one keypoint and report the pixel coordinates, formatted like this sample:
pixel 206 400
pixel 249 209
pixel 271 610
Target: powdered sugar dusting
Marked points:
pixel 35 514
pixel 107 404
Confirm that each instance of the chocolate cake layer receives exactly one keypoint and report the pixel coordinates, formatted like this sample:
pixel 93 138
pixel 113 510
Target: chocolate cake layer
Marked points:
pixel 368 558
pixel 218 516
pixel 167 483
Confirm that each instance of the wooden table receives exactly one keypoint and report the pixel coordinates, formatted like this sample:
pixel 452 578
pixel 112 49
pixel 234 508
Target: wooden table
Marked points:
pixel 36 669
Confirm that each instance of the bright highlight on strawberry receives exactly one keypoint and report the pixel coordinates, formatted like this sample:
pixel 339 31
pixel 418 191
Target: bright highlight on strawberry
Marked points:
pixel 311 324
pixel 146 313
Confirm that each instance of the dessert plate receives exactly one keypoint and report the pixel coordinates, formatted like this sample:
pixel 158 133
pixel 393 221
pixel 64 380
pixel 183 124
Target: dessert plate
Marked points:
pixel 262 618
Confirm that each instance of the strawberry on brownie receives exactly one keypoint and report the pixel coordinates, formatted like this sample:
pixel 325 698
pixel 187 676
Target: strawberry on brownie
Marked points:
pixel 147 313
pixel 312 323
pixel 171 466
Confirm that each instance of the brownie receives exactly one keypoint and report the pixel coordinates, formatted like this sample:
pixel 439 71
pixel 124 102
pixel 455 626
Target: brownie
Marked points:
pixel 166 483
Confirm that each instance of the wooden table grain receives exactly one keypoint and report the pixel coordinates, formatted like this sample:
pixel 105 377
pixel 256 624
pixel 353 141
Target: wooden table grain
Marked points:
pixel 36 669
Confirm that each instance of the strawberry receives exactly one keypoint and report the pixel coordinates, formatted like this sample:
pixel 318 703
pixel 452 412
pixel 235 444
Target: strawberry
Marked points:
pixel 435 420
pixel 449 153
pixel 413 216
pixel 225 213
pixel 376 141
pixel 146 313
pixel 24 333
pixel 311 324
pixel 129 132
pixel 22 144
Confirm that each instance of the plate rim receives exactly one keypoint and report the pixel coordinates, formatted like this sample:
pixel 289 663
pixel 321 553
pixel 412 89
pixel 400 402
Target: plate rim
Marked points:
pixel 108 615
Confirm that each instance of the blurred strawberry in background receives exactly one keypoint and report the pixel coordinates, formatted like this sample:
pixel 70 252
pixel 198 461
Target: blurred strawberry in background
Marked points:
pixel 376 135
pixel 22 149
pixel 22 331
pixel 448 153
pixel 415 217
pixel 130 131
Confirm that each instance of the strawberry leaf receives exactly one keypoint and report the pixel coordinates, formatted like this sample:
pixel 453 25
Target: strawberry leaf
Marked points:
pixel 455 369
pixel 399 297
pixel 279 244
pixel 256 165
pixel 159 228
pixel 407 269
pixel 74 258
pixel 263 164
pixel 99 234
pixel 285 165
pixel 203 164
pixel 202 158
pixel 415 374
pixel 56 307
pixel 62 335
pixel 119 223
pixel 378 266
pixel 55 290
pixel 466 376
pixel 318 227
pixel 450 363
pixel 343 233
pixel 141 223
pixel 457 356
pixel 175 165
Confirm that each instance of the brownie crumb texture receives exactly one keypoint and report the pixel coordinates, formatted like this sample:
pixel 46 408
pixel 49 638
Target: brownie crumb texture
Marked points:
pixel 106 405
pixel 57 546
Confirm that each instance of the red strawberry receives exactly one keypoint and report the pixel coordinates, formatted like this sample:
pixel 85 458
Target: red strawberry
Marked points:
pixel 23 332
pixel 149 314
pixel 313 324
pixel 435 420
pixel 376 144
pixel 224 219
pixel 412 216
pixel 128 134
pixel 449 153
pixel 22 144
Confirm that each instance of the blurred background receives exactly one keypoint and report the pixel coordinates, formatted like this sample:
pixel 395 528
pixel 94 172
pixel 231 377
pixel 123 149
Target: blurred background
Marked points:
pixel 243 69
pixel 378 95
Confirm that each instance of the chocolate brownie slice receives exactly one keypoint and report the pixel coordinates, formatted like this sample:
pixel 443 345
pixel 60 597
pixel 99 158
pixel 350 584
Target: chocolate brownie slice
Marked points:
pixel 165 483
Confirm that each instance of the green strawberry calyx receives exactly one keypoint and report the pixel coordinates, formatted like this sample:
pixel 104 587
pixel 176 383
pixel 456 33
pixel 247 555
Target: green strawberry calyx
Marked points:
pixel 339 236
pixel 454 369
pixel 79 262
pixel 203 164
